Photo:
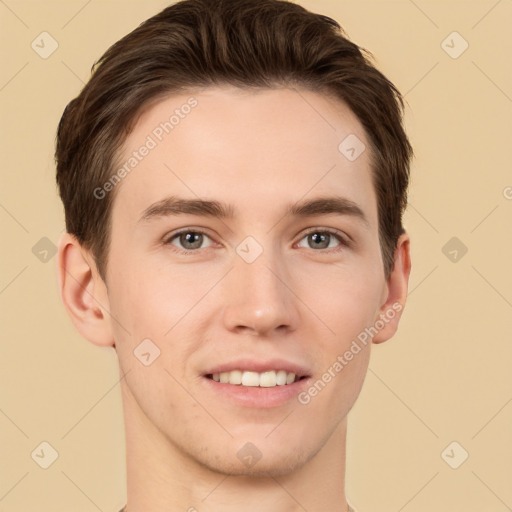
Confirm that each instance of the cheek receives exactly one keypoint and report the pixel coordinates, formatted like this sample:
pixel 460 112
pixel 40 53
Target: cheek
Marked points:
pixel 151 302
pixel 138 314
pixel 146 309
pixel 345 300
pixel 348 306
pixel 157 305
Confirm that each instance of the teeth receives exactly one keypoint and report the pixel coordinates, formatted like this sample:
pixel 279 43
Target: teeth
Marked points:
pixel 254 379
pixel 281 377
pixel 250 379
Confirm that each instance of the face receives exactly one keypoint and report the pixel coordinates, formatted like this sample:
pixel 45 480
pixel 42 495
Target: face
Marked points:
pixel 278 283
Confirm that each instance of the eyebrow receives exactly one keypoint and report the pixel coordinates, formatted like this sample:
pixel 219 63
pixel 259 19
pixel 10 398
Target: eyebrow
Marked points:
pixel 173 205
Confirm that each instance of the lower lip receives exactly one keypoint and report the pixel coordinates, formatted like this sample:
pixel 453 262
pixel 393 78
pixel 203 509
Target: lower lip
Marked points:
pixel 254 396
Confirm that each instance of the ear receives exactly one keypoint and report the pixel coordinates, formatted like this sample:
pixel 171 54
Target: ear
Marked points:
pixel 83 292
pixel 397 285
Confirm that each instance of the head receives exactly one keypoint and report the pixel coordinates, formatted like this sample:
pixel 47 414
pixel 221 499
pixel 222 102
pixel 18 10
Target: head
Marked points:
pixel 247 104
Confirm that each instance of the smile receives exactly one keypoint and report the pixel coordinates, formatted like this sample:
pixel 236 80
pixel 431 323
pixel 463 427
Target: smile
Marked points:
pixel 266 379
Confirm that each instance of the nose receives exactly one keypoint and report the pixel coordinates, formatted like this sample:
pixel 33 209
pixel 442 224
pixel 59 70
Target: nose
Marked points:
pixel 259 297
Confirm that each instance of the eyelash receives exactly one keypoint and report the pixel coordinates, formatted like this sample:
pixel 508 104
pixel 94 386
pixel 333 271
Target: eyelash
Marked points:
pixel 342 239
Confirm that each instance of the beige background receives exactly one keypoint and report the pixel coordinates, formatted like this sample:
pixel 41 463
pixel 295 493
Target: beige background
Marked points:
pixel 446 376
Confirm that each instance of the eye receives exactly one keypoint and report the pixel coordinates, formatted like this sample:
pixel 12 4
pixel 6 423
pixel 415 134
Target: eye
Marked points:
pixel 189 240
pixel 323 239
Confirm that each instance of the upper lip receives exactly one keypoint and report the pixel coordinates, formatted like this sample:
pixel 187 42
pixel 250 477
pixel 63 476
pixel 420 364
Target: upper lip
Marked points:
pixel 253 365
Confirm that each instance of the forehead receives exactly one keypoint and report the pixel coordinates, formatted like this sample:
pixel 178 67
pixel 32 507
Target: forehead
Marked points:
pixel 252 148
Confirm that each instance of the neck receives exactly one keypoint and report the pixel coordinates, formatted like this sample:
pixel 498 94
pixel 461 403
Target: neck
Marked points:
pixel 162 477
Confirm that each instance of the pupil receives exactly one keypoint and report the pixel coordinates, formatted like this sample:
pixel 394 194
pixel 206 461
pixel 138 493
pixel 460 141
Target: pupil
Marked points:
pixel 322 236
pixel 191 238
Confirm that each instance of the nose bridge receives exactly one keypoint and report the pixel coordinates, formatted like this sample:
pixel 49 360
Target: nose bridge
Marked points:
pixel 258 296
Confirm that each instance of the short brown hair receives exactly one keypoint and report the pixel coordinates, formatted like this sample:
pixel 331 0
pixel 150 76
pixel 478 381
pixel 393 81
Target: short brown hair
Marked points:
pixel 245 43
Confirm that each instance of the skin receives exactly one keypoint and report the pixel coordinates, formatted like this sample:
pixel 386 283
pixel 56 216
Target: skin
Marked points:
pixel 258 151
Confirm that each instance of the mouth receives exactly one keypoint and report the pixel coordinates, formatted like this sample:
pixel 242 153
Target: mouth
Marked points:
pixel 246 378
pixel 255 390
pixel 254 383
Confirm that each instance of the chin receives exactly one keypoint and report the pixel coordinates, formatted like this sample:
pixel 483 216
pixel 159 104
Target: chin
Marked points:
pixel 259 459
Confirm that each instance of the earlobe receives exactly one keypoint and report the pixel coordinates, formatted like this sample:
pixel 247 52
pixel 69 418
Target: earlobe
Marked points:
pixel 83 292
pixel 397 285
